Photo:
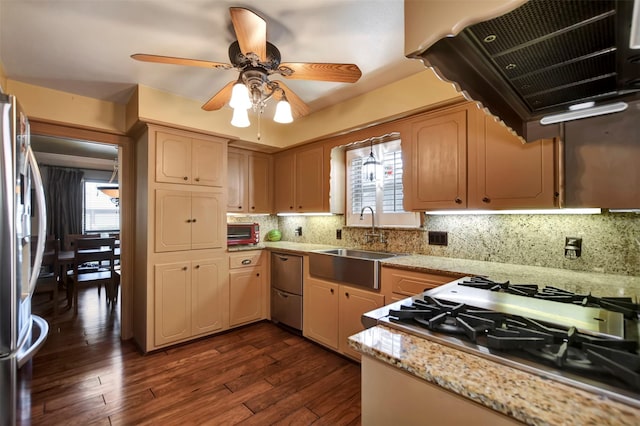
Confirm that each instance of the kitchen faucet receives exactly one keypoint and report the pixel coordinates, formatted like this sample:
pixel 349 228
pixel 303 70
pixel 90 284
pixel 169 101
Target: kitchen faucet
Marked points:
pixel 373 232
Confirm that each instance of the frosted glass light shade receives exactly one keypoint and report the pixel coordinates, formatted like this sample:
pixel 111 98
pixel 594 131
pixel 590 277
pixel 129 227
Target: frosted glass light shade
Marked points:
pixel 240 97
pixel 283 112
pixel 240 118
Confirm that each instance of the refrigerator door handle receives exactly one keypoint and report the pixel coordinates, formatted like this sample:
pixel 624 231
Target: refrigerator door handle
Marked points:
pixel 42 219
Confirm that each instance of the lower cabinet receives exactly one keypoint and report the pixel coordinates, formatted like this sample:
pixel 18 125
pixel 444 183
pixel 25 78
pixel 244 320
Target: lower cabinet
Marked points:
pixel 188 299
pixel 247 288
pixel 398 284
pixel 332 312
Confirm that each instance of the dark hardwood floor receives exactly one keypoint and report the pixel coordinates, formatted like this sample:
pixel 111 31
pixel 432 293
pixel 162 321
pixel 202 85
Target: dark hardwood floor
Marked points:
pixel 259 374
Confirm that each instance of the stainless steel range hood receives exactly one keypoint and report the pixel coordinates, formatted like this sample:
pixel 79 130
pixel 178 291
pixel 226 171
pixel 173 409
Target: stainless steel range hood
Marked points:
pixel 541 58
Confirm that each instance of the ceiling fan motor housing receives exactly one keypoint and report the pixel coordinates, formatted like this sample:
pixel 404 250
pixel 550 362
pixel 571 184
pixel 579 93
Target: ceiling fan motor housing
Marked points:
pixel 240 61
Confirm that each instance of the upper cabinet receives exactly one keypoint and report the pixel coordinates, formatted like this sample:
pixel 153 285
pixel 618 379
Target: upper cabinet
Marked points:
pixel 301 184
pixel 188 160
pixel 435 158
pixel 250 182
pixel 460 157
pixel 507 174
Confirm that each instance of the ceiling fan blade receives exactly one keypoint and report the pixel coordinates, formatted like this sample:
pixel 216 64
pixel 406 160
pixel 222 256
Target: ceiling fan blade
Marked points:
pixel 219 99
pixel 180 61
pixel 251 31
pixel 342 73
pixel 298 107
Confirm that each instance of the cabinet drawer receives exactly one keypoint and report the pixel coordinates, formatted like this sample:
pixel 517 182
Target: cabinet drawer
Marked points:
pixel 245 260
pixel 410 283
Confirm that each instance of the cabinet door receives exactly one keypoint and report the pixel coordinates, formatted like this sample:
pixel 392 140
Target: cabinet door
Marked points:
pixel 284 175
pixel 398 284
pixel 511 174
pixel 208 220
pixel 260 183
pixel 320 312
pixel 309 184
pixel 173 220
pixel 172 302
pixel 173 158
pixel 353 303
pixel 236 182
pixel 208 304
pixel 437 160
pixel 207 162
pixel 246 297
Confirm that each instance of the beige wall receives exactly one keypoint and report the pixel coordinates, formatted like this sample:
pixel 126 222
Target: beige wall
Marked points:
pixel 3 80
pixel 61 107
pixel 414 93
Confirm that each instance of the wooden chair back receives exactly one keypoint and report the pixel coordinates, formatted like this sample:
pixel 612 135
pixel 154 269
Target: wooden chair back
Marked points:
pixel 94 263
pixel 49 277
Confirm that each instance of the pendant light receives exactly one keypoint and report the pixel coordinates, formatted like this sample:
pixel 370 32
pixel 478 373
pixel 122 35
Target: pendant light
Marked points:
pixel 370 164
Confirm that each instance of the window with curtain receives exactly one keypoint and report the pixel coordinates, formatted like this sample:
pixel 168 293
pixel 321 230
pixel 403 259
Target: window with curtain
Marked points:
pixel 384 194
pixel 99 213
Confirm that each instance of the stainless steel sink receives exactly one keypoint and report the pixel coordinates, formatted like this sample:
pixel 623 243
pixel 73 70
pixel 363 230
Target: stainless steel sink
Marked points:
pixel 350 266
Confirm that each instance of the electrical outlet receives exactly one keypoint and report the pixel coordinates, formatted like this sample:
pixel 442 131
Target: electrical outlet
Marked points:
pixel 298 231
pixel 572 247
pixel 438 238
pixel 338 234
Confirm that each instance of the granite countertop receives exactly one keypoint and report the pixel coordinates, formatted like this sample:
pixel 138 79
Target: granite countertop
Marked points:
pixel 526 397
pixel 597 283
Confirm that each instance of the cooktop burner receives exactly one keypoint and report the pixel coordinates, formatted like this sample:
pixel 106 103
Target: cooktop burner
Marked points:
pixel 624 305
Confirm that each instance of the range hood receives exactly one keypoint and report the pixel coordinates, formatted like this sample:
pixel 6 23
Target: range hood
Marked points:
pixel 541 58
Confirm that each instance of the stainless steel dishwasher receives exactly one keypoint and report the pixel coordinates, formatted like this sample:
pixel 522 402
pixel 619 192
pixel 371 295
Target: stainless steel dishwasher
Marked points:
pixel 286 289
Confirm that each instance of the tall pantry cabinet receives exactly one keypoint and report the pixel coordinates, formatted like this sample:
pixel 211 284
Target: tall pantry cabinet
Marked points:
pixel 181 269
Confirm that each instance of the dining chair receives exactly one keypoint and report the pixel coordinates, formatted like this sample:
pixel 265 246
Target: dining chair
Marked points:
pixel 49 276
pixel 94 264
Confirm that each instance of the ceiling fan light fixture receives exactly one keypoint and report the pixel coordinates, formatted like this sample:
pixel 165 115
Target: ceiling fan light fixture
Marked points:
pixel 240 96
pixel 283 112
pixel 240 118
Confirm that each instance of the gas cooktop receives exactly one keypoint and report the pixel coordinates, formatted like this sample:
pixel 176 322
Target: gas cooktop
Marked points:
pixel 585 341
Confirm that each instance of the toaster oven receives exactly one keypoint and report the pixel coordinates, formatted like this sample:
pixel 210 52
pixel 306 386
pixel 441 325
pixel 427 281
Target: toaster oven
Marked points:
pixel 243 233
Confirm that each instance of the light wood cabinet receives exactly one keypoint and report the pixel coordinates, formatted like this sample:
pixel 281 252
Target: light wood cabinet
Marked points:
pixel 460 157
pixel 332 312
pixel 247 288
pixel 180 262
pixel 188 160
pixel 320 312
pixel 507 174
pixel 188 299
pixel 398 284
pixel 187 220
pixel 352 304
pixel 250 182
pixel 435 159
pixel 300 181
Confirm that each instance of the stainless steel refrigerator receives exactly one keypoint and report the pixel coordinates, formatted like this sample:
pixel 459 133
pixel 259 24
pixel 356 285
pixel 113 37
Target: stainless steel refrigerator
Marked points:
pixel 21 333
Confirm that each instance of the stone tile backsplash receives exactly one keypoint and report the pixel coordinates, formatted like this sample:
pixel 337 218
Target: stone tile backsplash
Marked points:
pixel 610 241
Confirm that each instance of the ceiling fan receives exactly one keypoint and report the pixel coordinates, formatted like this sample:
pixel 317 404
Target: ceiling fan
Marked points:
pixel 256 59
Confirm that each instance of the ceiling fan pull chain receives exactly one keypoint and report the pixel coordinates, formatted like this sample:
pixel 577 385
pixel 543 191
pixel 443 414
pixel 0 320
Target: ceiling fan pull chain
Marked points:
pixel 259 122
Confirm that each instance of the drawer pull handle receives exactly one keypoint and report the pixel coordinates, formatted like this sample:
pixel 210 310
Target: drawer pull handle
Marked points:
pixel 486 200
pixel 331 291
pixel 347 294
pixel 458 201
pixel 246 261
pixel 186 178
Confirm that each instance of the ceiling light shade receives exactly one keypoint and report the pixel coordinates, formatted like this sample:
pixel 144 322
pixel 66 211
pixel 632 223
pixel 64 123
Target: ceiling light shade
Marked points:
pixel 283 112
pixel 240 118
pixel 113 192
pixel 584 113
pixel 240 97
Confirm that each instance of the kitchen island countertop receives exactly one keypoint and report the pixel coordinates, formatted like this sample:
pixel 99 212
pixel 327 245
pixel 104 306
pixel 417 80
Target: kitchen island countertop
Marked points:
pixel 527 397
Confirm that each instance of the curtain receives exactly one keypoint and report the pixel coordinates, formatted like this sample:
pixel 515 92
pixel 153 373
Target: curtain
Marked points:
pixel 63 198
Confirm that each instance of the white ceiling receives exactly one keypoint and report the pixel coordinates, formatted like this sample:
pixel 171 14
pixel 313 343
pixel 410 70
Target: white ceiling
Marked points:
pixel 84 47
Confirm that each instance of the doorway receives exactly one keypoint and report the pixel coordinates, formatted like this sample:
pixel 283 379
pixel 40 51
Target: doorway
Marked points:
pixel 96 148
